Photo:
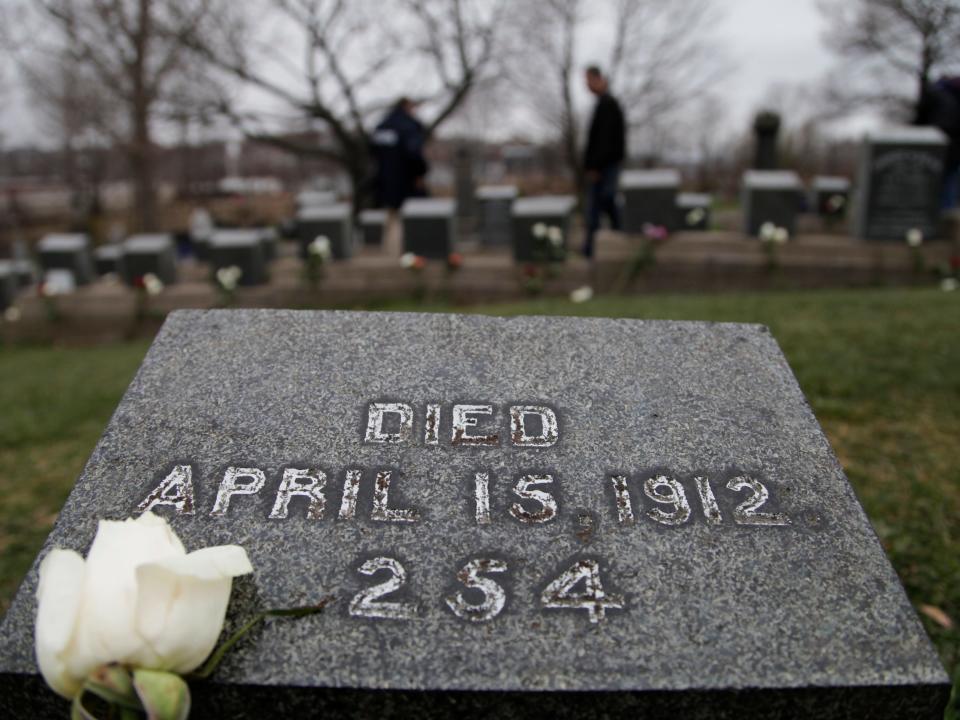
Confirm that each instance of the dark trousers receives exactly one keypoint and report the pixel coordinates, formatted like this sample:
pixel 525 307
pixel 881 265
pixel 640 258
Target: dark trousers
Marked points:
pixel 602 201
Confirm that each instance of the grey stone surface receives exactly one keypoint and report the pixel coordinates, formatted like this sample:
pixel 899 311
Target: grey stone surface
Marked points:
pixel 153 253
pixel 551 210
pixel 649 197
pixel 899 182
pixel 770 196
pixel 719 619
pixel 430 227
pixel 67 252
pixel 331 221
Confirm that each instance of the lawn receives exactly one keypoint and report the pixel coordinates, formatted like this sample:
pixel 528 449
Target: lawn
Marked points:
pixel 881 369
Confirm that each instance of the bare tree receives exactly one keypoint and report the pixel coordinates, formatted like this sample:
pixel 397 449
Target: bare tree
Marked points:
pixel 341 64
pixel 891 45
pixel 132 50
pixel 656 54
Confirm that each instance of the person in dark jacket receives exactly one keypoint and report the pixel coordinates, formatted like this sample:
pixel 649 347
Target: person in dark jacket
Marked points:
pixel 401 167
pixel 606 149
pixel 940 106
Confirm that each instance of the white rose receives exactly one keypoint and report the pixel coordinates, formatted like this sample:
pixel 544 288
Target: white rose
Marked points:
pixel 407 260
pixel 949 284
pixel 320 247
pixel 914 237
pixel 581 294
pixel 767 231
pixel 555 236
pixel 139 599
pixel 12 314
pixel 540 230
pixel 152 284
pixel 781 235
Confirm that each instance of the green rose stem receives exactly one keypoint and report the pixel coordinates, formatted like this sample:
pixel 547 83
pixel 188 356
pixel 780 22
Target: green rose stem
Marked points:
pixel 132 693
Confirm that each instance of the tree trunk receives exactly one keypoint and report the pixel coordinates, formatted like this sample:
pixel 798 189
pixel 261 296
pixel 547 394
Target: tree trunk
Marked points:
pixel 141 146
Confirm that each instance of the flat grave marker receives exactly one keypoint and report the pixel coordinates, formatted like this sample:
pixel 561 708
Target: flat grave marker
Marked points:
pixel 551 515
pixel 899 183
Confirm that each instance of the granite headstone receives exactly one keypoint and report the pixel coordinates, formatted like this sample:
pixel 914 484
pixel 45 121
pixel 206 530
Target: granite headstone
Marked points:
pixel 62 251
pixel 693 211
pixel 372 223
pixel 547 210
pixel 515 517
pixel 430 227
pixel 242 249
pixel 649 198
pixel 153 254
pixel 830 195
pixel 495 203
pixel 331 221
pixel 770 196
pixel 108 259
pixel 899 183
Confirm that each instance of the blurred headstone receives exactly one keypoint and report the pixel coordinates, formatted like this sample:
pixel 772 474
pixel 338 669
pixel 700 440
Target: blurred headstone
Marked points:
pixel 240 248
pixel 548 211
pixel 430 227
pixel 649 198
pixel 61 251
pixel 495 203
pixel 693 211
pixel 899 183
pixel 371 226
pixel 334 222
pixel 766 127
pixel 153 254
pixel 830 196
pixel 108 259
pixel 770 196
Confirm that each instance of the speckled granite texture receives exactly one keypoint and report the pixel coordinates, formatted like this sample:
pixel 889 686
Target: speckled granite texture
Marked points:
pixel 718 618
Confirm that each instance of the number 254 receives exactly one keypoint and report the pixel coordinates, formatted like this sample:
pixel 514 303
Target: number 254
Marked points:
pixel 560 593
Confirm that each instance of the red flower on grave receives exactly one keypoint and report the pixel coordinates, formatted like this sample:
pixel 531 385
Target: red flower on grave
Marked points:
pixel 139 282
pixel 41 289
pixel 955 262
pixel 454 261
pixel 530 270
pixel 419 263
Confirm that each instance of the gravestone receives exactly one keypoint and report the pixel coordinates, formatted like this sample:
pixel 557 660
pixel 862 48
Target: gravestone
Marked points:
pixel 465 189
pixel 108 259
pixel 429 227
pixel 372 223
pixel 770 196
pixel 67 252
pixel 766 127
pixel 899 183
pixel 269 239
pixel 525 517
pixel 314 198
pixel 528 212
pixel 830 195
pixel 332 221
pixel 495 210
pixel 23 271
pixel 155 254
pixel 649 198
pixel 240 248
pixel 9 285
pixel 693 211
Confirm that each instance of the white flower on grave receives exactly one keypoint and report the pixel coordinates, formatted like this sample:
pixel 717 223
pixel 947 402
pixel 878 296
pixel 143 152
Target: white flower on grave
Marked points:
pixel 555 235
pixel 780 235
pixel 152 284
pixel 582 294
pixel 767 231
pixel 320 247
pixel 836 202
pixel 914 237
pixel 408 260
pixel 696 216
pixel 540 230
pixel 949 284
pixel 139 599
pixel 228 277
pixel 12 314
pixel 58 282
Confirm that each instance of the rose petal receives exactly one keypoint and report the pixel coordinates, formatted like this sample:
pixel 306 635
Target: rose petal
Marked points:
pixel 182 604
pixel 58 604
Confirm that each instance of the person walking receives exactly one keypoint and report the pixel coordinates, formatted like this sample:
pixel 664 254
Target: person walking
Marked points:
pixel 606 149
pixel 401 167
pixel 940 107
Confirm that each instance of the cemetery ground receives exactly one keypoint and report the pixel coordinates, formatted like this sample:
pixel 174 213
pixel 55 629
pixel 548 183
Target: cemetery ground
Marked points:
pixel 879 367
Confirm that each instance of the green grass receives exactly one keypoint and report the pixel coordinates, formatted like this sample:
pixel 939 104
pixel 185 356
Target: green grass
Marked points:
pixel 881 369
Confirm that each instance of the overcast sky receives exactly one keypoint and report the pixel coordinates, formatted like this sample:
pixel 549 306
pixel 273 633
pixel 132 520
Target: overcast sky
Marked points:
pixel 767 42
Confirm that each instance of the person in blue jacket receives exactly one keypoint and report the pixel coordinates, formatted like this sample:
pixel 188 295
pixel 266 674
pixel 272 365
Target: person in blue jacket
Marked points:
pixel 401 167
